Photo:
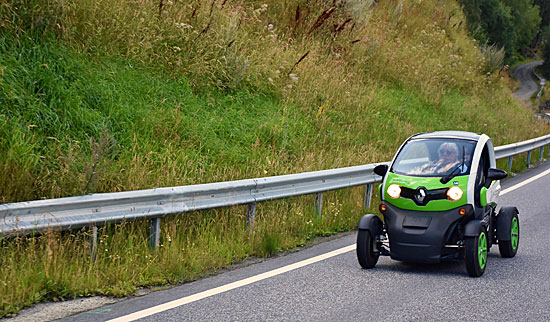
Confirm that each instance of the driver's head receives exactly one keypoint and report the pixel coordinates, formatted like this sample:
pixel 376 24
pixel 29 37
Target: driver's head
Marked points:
pixel 448 152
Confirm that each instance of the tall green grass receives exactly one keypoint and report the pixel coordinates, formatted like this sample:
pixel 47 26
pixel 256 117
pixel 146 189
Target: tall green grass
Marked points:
pixel 110 95
pixel 137 128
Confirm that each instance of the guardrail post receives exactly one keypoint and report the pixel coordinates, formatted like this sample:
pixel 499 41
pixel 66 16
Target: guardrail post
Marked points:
pixel 93 242
pixel 509 165
pixel 250 215
pixel 318 204
pixel 528 159
pixel 541 153
pixel 154 236
pixel 368 195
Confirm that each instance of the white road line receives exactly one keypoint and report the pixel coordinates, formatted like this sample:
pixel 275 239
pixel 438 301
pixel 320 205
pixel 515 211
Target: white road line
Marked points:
pixel 523 183
pixel 224 288
pixel 231 286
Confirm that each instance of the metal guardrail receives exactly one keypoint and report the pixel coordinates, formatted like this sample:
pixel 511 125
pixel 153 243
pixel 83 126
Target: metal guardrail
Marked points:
pixel 95 210
pixel 509 150
pixel 98 209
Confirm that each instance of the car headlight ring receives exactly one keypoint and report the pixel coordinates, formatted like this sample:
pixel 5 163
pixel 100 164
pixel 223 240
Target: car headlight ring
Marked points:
pixel 394 191
pixel 454 193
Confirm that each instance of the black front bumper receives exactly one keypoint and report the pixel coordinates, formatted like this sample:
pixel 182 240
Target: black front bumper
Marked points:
pixel 421 236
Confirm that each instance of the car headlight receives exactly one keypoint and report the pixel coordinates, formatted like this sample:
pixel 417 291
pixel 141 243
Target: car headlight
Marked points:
pixel 394 191
pixel 454 193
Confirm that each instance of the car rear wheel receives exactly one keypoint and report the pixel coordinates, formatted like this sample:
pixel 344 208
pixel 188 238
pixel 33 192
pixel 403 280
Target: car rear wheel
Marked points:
pixel 365 249
pixel 476 253
pixel 509 248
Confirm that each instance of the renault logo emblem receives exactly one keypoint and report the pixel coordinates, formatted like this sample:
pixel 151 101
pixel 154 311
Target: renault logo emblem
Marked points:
pixel 420 195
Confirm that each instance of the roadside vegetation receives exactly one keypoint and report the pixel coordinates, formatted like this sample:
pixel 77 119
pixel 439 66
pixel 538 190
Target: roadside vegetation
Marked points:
pixel 110 95
pixel 510 25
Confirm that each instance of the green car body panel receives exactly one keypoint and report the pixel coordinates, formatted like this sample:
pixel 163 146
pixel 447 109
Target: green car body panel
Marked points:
pixel 430 183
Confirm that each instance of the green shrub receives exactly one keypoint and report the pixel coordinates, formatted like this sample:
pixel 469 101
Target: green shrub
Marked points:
pixel 494 57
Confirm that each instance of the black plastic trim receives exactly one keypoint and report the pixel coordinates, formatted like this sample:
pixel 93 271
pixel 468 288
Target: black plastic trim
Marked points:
pixel 421 236
pixel 437 194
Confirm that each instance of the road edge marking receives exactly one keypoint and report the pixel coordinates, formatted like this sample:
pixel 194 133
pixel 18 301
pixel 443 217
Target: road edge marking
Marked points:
pixel 227 287
pixel 523 183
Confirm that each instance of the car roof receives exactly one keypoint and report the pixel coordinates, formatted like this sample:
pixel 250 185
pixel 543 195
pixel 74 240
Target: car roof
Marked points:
pixel 447 134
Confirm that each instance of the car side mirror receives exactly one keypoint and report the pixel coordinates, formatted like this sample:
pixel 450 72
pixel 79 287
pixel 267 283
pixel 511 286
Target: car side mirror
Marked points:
pixel 496 174
pixel 381 169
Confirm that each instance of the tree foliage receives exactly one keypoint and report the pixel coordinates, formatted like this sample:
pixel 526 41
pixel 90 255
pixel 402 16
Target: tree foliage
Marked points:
pixel 525 20
pixel 510 24
pixel 544 8
pixel 546 51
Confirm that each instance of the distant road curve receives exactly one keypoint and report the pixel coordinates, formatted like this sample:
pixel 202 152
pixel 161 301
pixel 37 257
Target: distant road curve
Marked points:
pixel 524 74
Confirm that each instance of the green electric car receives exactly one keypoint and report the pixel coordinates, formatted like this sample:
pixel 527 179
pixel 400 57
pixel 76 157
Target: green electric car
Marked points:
pixel 440 201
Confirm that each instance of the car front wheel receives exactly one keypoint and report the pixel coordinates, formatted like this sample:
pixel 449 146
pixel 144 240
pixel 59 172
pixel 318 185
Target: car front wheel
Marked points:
pixel 476 253
pixel 366 255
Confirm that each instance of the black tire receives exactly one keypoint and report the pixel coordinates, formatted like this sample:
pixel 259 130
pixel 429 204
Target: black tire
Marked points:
pixel 509 248
pixel 475 253
pixel 365 254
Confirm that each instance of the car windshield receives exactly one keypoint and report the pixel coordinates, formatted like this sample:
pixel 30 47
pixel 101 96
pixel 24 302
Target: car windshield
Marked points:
pixel 434 158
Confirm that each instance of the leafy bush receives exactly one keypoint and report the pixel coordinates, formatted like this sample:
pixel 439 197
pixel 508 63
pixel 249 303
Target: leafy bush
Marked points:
pixel 494 57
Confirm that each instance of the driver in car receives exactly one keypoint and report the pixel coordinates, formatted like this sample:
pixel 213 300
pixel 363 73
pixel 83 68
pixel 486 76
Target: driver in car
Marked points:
pixel 448 159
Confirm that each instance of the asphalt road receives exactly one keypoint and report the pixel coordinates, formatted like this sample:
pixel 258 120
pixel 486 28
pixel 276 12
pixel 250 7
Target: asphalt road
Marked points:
pixel 336 288
pixel 524 74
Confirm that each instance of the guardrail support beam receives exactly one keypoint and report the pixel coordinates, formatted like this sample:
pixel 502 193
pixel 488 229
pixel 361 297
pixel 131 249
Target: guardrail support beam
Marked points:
pixel 318 204
pixel 541 153
pixel 250 216
pixel 93 242
pixel 528 159
pixel 509 165
pixel 368 195
pixel 154 236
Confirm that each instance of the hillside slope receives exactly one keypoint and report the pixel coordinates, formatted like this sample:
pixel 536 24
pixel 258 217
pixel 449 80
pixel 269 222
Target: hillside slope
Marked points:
pixel 252 88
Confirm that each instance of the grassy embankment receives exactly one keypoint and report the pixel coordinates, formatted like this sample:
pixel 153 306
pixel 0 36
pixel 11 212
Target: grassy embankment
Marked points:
pixel 110 95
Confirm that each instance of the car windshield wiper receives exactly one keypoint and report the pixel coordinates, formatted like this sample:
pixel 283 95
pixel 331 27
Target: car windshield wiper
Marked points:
pixel 451 175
